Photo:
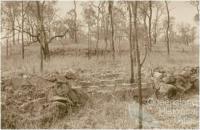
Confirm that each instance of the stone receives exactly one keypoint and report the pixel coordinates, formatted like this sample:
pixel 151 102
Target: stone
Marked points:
pixel 157 75
pixel 61 79
pixel 167 90
pixel 169 79
pixel 61 89
pixel 70 74
pixel 196 84
pixel 61 99
pixel 73 96
pixel 186 73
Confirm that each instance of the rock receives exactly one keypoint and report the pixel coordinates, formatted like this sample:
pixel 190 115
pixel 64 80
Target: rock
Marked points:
pixel 157 75
pixel 196 85
pixel 61 79
pixel 180 80
pixel 186 73
pixel 167 90
pixel 159 69
pixel 70 74
pixel 73 96
pixel 57 110
pixel 169 79
pixel 61 89
pixel 83 97
pixel 62 99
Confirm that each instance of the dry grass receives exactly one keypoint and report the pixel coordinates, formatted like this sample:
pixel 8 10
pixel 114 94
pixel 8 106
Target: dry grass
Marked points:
pixel 113 113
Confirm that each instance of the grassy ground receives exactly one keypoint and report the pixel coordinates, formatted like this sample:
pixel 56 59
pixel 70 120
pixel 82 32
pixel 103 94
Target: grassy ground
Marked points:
pixel 113 113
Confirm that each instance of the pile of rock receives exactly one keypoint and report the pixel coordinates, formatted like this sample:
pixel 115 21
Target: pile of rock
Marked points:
pixel 39 100
pixel 173 81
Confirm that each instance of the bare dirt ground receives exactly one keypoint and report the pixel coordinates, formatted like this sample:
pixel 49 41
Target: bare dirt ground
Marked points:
pixel 106 84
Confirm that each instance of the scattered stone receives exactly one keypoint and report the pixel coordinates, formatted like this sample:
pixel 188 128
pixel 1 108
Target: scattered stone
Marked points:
pixel 169 79
pixel 71 74
pixel 62 99
pixel 157 75
pixel 167 90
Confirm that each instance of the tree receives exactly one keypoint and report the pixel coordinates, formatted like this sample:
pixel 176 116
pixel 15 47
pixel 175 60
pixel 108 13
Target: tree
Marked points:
pixel 11 11
pixel 139 65
pixel 168 25
pixel 187 34
pixel 75 22
pixel 196 4
pixel 110 10
pixel 89 17
pixel 130 41
pixel 22 33
pixel 150 20
pixel 159 12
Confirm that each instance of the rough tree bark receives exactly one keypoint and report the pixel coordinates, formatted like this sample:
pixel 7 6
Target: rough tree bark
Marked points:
pixel 167 30
pixel 97 43
pixel 130 42
pixel 150 19
pixel 75 24
pixel 110 8
pixel 138 65
pixel 6 48
pixel 22 33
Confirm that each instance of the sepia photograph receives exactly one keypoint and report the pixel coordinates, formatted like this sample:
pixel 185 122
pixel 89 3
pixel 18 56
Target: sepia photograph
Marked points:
pixel 99 64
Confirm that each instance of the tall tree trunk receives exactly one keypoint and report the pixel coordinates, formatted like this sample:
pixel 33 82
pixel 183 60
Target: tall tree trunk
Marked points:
pixel 130 42
pixel 97 43
pixel 43 35
pixel 138 66
pixel 112 28
pixel 88 41
pixel 75 24
pixel 41 59
pixel 6 48
pixel 167 31
pixel 155 27
pixel 13 31
pixel 106 34
pixel 22 30
pixel 150 19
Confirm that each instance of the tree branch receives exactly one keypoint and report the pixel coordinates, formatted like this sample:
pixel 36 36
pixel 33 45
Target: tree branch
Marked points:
pixel 61 35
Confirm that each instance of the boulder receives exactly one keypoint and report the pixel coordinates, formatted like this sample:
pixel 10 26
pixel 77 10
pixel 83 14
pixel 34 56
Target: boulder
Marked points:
pixel 167 90
pixel 169 79
pixel 61 99
pixel 61 89
pixel 186 73
pixel 157 75
pixel 61 79
pixel 196 84
pixel 70 74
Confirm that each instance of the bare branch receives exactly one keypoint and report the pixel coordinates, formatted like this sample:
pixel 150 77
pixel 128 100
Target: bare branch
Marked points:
pixel 61 35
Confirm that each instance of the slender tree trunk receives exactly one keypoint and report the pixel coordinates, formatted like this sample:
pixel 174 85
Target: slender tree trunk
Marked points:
pixel 13 31
pixel 138 67
pixel 150 19
pixel 88 41
pixel 6 48
pixel 43 35
pixel 167 31
pixel 75 24
pixel 112 28
pixel 155 27
pixel 97 43
pixel 41 59
pixel 22 30
pixel 130 42
pixel 106 34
